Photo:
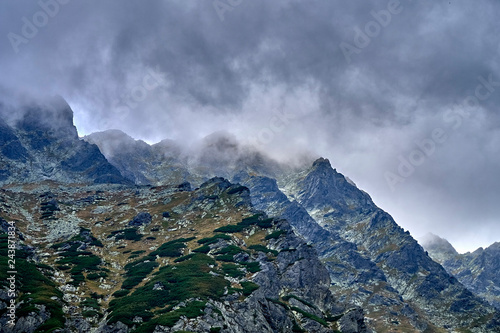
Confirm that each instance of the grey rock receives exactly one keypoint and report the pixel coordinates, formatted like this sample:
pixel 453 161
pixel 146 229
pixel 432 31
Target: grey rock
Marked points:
pixel 140 219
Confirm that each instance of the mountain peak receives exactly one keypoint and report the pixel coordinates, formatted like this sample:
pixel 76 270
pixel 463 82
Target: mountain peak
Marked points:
pixel 322 162
pixel 51 115
pixel 439 248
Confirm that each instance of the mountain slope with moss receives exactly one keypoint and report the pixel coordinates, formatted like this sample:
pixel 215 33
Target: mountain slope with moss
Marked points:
pixel 116 258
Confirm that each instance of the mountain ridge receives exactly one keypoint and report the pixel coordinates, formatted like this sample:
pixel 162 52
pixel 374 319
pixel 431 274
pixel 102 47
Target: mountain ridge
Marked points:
pixel 367 273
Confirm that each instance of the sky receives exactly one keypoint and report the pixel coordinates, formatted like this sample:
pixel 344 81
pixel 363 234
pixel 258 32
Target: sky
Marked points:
pixel 401 96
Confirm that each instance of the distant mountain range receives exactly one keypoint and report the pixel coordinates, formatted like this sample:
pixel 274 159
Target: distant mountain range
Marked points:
pixel 478 271
pixel 279 248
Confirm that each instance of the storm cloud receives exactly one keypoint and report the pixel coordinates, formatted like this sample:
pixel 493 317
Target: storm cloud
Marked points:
pixel 401 96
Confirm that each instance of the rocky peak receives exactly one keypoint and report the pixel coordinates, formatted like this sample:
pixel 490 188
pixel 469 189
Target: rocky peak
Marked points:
pixel 54 116
pixel 439 248
pixel 477 270
pixel 323 188
pixel 39 142
pixel 322 163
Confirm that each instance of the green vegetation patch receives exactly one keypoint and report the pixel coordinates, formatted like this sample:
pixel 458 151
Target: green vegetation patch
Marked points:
pixel 172 248
pixel 256 219
pixel 191 310
pixel 120 293
pixel 214 239
pixel 303 301
pixel 310 316
pixel 252 267
pixel 230 228
pixel 34 287
pixel 78 262
pixel 136 272
pixel 275 234
pixel 262 248
pixel 126 234
pixel 189 279
pixel 232 270
pixel 202 249
pixel 249 287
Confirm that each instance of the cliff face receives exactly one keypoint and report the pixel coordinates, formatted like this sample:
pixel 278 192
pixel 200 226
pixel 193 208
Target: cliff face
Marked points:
pixel 42 143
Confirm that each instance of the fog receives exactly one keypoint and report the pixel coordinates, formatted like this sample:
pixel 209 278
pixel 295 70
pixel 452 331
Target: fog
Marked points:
pixel 401 96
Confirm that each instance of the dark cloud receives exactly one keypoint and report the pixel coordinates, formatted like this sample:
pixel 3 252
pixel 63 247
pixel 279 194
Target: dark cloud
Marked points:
pixel 172 69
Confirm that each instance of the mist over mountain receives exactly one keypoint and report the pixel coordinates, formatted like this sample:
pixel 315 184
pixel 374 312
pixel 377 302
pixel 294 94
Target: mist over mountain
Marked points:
pixel 299 244
pixel 233 166
pixel 477 270
pixel 219 154
pixel 40 142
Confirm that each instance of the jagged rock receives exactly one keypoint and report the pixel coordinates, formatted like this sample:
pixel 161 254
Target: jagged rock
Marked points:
pixel 352 321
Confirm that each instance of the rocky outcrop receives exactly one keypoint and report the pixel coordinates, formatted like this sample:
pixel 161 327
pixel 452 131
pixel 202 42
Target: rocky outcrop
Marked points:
pixel 214 263
pixel 140 219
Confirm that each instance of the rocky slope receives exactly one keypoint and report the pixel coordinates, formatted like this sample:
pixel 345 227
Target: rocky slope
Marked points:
pixel 40 142
pixel 164 259
pixel 478 271
pixel 372 262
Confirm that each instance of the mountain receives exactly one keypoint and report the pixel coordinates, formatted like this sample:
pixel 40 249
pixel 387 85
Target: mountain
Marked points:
pixel 138 161
pixel 41 143
pixel 478 271
pixel 217 155
pixel 372 262
pixel 439 248
pixel 115 235
pixel 163 259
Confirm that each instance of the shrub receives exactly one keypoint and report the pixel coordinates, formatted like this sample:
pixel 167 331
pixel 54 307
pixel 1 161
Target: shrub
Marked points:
pixel 137 272
pixel 121 293
pixel 185 280
pixel 249 287
pixel 128 234
pixel 252 267
pixel 310 316
pixel 232 270
pixel 202 249
pixel 214 239
pixel 275 234
pixel 172 249
pixel 288 297
pixel 184 258
pixel 262 248
pixel 34 286
pixel 231 228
